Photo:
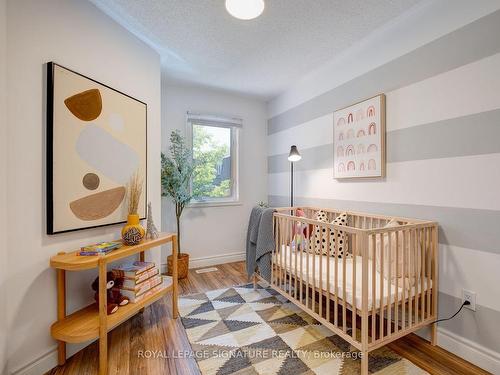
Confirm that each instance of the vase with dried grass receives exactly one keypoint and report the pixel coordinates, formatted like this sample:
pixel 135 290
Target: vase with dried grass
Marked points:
pixel 133 232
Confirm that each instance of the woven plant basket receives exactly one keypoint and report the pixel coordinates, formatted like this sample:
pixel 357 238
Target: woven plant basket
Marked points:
pixel 182 265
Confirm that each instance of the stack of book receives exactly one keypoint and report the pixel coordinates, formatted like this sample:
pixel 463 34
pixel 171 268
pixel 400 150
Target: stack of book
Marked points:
pixel 139 280
pixel 101 248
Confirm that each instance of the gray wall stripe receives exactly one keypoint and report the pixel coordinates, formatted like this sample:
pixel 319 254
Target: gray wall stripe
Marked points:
pixel 470 43
pixel 475 134
pixel 476 326
pixel 318 157
pixel 464 227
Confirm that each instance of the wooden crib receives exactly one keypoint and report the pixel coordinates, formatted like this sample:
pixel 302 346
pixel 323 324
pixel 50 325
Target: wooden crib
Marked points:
pixel 356 296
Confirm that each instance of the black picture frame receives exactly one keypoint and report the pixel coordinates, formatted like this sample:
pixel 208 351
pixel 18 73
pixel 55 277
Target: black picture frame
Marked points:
pixel 50 105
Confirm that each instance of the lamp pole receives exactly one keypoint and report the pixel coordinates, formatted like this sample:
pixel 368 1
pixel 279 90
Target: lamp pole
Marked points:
pixel 293 156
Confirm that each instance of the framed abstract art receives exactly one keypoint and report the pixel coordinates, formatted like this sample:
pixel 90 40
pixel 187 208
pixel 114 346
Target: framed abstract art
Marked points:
pixel 96 140
pixel 359 139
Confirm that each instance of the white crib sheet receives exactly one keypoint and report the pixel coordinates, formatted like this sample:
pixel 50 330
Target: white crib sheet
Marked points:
pixel 288 261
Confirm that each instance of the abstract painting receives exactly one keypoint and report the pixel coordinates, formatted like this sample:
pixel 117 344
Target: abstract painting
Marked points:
pixel 96 140
pixel 359 139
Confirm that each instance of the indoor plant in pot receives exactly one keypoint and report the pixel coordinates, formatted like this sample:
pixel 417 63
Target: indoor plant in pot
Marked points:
pixel 176 172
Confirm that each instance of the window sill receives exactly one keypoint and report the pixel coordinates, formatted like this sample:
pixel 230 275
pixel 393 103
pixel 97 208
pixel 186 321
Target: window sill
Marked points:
pixel 213 204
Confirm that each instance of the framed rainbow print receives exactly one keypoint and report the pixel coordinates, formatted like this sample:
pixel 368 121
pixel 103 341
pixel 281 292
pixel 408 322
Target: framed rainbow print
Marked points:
pixel 96 140
pixel 359 139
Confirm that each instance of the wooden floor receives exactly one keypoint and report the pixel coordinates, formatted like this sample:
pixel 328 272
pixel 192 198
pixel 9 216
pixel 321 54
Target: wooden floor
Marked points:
pixel 155 335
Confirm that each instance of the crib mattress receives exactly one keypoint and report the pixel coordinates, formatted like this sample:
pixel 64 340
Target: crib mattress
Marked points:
pixel 314 263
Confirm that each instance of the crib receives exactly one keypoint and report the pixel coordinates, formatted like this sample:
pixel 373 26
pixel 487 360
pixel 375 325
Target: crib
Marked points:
pixel 384 288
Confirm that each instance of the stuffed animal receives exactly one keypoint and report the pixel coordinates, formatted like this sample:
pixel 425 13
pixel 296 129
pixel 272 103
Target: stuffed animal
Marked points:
pixel 115 298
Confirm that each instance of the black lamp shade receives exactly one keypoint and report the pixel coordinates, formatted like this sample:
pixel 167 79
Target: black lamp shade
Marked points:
pixel 294 154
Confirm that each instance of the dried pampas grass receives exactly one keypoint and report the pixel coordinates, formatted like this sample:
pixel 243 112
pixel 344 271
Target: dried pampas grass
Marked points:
pixel 134 193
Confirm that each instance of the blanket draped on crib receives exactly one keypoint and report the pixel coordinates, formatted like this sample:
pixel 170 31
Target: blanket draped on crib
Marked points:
pixel 260 242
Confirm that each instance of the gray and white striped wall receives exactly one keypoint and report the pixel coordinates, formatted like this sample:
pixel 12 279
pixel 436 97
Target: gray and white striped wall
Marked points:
pixel 443 164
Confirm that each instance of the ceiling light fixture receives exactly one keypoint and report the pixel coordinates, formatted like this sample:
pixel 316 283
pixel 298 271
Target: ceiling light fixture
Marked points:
pixel 245 9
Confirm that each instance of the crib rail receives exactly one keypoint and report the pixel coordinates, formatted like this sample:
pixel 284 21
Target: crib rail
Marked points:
pixel 384 289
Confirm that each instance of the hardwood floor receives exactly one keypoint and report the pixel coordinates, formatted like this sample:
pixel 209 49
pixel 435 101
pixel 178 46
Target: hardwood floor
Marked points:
pixel 152 343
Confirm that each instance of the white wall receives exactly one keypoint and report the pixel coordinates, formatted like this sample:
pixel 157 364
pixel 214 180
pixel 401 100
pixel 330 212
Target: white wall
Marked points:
pixel 214 235
pixel 75 34
pixel 3 187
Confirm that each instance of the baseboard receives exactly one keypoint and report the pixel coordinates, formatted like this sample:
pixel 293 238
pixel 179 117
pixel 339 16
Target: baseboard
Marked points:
pixel 47 361
pixel 212 260
pixel 477 354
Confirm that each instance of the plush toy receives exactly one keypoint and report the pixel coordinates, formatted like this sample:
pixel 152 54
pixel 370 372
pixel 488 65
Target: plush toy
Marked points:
pixel 299 229
pixel 115 298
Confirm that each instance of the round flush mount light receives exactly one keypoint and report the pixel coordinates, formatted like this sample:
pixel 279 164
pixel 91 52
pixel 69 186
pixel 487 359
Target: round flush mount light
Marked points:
pixel 245 9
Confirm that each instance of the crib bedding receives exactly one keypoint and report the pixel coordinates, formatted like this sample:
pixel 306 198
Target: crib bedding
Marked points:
pixel 288 261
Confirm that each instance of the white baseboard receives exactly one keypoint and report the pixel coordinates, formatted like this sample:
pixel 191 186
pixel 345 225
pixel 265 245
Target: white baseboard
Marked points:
pixel 47 361
pixel 212 260
pixel 477 354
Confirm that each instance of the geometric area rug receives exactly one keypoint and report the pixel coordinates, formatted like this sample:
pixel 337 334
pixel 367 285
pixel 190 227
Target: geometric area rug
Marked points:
pixel 242 331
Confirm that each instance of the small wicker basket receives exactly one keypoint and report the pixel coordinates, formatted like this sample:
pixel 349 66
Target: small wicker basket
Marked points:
pixel 182 265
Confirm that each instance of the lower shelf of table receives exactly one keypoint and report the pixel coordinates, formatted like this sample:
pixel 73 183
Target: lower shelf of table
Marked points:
pixel 83 325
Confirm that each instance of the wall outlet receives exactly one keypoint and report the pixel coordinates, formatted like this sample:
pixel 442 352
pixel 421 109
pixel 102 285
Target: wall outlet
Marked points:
pixel 467 295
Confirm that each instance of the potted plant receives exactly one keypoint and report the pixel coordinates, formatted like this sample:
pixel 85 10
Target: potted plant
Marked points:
pixel 176 172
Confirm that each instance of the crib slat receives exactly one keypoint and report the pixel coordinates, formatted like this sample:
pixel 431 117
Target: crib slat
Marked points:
pixel 303 247
pixel 320 283
pixel 344 299
pixel 286 254
pixel 283 251
pixel 428 260
pixel 290 273
pixel 396 302
pixel 417 239
pixel 313 288
pixel 288 258
pixel 295 239
pixel 403 294
pixel 354 266
pixel 389 282
pixel 336 280
pixel 410 278
pixel 328 296
pixel 382 266
pixel 422 274
pixel 311 249
pixel 374 286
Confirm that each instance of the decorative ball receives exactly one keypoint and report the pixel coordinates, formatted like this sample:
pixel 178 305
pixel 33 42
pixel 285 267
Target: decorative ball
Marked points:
pixel 132 236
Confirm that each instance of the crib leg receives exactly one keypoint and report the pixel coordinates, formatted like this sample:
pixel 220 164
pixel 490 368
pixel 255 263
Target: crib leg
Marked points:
pixel 364 363
pixel 254 281
pixel 434 334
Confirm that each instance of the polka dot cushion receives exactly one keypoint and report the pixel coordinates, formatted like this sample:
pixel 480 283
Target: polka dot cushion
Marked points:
pixel 319 240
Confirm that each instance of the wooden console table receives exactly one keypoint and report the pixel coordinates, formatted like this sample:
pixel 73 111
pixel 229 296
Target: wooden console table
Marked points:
pixel 91 322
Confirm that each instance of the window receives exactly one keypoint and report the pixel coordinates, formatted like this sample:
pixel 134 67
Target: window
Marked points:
pixel 214 143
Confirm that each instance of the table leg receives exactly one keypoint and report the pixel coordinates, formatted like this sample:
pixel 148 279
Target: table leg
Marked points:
pixel 175 311
pixel 103 320
pixel 61 313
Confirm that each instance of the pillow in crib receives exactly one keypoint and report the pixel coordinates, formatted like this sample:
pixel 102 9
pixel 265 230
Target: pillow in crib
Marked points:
pixel 396 267
pixel 314 243
pixel 320 237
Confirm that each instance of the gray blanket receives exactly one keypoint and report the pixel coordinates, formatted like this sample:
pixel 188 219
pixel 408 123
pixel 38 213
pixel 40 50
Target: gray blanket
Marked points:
pixel 260 242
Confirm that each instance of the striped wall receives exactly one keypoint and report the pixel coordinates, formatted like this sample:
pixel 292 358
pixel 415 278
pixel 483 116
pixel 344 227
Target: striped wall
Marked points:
pixel 443 164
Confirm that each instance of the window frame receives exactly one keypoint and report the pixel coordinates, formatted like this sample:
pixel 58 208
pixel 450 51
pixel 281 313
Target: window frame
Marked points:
pixel 234 124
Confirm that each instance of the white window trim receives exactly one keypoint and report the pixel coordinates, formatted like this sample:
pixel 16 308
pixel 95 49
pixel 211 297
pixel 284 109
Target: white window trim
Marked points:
pixel 235 125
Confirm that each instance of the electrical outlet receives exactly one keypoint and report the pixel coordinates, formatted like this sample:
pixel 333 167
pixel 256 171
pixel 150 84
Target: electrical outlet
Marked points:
pixel 467 295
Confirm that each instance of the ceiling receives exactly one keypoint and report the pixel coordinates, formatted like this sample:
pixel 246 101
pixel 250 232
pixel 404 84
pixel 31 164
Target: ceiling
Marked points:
pixel 200 43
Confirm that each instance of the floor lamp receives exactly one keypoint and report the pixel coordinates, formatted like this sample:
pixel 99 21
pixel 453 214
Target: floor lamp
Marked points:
pixel 293 156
